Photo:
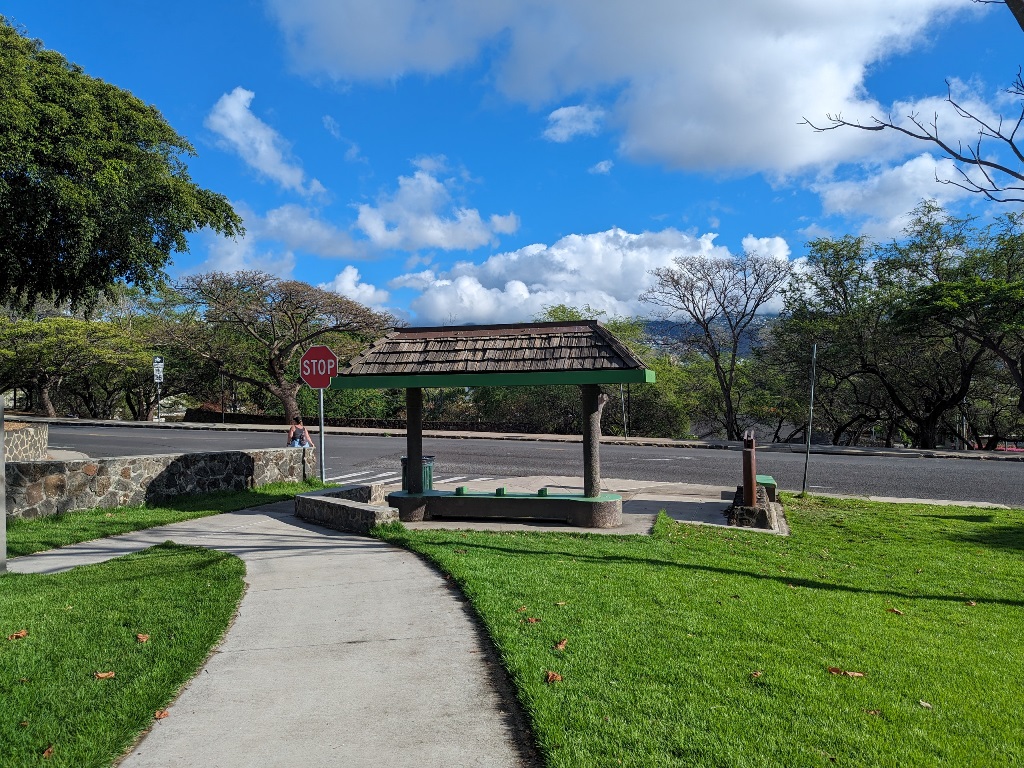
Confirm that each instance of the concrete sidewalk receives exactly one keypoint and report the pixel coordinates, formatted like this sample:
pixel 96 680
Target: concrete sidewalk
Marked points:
pixel 346 651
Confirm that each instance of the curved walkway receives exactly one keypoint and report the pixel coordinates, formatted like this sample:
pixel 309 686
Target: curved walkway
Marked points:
pixel 346 651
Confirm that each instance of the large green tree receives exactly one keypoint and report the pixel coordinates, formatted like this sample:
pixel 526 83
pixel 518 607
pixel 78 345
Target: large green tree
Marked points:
pixel 253 327
pixel 93 183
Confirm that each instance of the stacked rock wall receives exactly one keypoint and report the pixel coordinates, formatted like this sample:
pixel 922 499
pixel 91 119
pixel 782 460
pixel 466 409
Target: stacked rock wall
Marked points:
pixel 25 442
pixel 38 488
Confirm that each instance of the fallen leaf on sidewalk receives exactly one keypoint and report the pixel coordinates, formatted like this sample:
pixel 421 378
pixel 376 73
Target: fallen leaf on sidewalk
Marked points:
pixel 160 714
pixel 553 677
pixel 21 634
pixel 103 675
pixel 560 645
pixel 142 638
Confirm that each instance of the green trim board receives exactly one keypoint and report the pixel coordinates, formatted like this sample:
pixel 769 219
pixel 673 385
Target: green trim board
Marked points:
pixel 483 495
pixel 533 378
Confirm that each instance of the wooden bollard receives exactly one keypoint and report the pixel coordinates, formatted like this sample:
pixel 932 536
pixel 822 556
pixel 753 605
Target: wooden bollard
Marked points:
pixel 749 469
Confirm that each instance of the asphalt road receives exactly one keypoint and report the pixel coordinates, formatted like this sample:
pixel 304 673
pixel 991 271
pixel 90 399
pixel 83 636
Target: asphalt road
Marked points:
pixel 360 458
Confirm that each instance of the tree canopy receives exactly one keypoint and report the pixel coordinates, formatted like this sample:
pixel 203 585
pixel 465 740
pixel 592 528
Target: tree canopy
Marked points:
pixel 93 184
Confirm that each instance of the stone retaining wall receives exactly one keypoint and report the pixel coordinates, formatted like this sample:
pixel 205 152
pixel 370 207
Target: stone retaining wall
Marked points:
pixel 38 488
pixel 25 442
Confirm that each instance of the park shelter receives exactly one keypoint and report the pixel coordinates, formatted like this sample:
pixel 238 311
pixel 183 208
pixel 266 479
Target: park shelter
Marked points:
pixel 582 353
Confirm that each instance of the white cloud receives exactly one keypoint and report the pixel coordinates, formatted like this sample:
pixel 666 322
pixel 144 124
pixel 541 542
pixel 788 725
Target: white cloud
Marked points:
pixel 607 270
pixel 259 145
pixel 884 198
pixel 243 253
pixel 347 284
pixel 698 86
pixel 422 213
pixel 566 123
pixel 603 167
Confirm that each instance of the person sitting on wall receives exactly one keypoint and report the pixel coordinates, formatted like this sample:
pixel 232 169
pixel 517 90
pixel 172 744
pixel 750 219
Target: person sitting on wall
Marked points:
pixel 298 437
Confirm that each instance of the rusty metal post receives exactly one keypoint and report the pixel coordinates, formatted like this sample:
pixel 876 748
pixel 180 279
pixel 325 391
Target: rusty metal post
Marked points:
pixel 749 469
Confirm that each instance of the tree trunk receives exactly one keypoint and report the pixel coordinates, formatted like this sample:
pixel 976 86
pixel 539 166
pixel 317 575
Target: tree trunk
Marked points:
pixel 45 402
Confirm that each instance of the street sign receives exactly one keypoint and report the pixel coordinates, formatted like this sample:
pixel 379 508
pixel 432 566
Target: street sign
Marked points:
pixel 158 369
pixel 317 366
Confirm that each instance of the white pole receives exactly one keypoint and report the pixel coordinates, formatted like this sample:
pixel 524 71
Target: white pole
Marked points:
pixel 323 472
pixel 3 492
pixel 810 418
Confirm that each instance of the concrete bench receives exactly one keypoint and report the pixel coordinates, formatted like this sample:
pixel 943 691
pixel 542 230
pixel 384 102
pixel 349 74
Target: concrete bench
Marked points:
pixel 331 509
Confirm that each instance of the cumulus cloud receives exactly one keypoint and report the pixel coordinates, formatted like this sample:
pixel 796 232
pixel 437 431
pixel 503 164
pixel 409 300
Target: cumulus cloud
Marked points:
pixel 244 253
pixel 422 213
pixel 705 86
pixel 566 123
pixel 347 283
pixel 882 199
pixel 297 228
pixel 607 270
pixel 259 145
pixel 604 167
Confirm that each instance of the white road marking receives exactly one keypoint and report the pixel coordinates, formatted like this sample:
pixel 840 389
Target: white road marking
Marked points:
pixel 352 474
pixel 452 479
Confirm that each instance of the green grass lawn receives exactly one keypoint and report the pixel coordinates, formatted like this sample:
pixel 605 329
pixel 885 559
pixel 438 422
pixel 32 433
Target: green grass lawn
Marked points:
pixel 705 646
pixel 86 621
pixel 27 536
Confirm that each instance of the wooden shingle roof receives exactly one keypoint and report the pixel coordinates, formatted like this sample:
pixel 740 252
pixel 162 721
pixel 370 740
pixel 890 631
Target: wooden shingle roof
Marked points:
pixel 578 352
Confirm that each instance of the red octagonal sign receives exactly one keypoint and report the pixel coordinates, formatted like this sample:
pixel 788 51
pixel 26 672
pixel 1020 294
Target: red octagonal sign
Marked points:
pixel 317 366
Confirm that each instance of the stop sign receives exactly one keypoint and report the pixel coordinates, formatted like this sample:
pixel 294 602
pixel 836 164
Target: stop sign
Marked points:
pixel 317 366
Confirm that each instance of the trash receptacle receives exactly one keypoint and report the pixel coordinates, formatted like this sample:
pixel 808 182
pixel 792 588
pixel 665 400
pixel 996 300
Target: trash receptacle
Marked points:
pixel 428 473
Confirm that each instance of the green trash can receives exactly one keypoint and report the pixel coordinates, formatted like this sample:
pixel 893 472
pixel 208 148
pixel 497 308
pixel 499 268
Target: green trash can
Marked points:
pixel 428 473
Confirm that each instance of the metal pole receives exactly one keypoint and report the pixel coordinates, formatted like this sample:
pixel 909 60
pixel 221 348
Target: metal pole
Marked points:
pixel 625 425
pixel 3 492
pixel 158 402
pixel 323 472
pixel 810 417
pixel 223 401
pixel 749 469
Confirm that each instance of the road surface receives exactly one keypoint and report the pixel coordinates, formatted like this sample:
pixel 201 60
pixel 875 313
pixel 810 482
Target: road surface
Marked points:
pixel 356 457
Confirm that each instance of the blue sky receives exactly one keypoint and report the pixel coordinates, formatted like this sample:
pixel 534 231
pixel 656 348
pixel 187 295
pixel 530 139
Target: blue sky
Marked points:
pixel 462 162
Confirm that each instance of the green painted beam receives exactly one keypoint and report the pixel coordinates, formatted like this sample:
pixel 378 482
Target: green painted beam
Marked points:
pixel 533 379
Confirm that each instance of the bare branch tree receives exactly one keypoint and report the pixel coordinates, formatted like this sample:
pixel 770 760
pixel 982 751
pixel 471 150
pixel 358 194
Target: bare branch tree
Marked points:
pixel 715 301
pixel 998 181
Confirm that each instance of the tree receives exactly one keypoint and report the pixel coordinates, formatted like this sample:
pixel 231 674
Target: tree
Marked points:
pixel 999 180
pixel 714 302
pixel 981 295
pixel 874 363
pixel 93 184
pixel 253 327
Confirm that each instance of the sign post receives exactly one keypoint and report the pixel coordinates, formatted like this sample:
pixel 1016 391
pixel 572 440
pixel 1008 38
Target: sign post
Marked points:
pixel 3 492
pixel 317 366
pixel 158 379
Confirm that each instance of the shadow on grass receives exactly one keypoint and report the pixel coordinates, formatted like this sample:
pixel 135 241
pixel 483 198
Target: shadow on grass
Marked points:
pixel 998 537
pixel 795 581
pixel 964 518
